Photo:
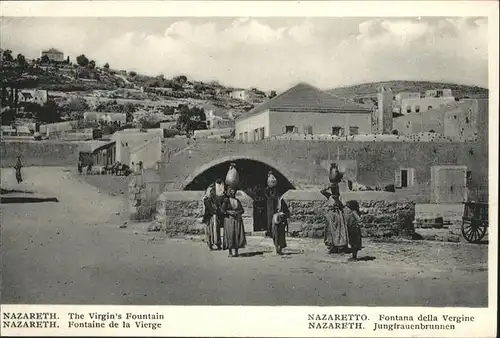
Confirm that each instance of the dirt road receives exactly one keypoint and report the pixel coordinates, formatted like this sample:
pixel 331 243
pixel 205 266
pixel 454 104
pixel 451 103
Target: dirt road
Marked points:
pixel 74 252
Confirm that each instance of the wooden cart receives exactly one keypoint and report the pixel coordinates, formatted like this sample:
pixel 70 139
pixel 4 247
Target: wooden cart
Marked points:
pixel 475 221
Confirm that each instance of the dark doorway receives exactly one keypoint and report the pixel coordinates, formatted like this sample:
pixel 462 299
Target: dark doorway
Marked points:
pixel 404 178
pixel 253 181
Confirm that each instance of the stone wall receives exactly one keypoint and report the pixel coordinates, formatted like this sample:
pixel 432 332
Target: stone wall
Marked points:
pixel 143 193
pixel 180 212
pixel 301 161
pixel 380 218
pixel 39 153
pixel 384 214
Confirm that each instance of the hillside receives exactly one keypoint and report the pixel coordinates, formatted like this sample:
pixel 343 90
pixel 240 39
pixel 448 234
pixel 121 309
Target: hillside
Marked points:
pixel 368 89
pixel 96 85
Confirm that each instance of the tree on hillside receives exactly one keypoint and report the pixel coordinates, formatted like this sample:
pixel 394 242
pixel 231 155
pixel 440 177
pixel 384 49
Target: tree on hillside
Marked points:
pixel 191 119
pixel 272 94
pixel 67 60
pixel 82 60
pixel 132 73
pixel 177 86
pixel 154 83
pixel 44 59
pixel 78 104
pixel 48 113
pixel 8 116
pixel 7 55
pixel 181 79
pixel 199 87
pixel 92 64
pixel 106 65
pixel 168 84
pixel 21 60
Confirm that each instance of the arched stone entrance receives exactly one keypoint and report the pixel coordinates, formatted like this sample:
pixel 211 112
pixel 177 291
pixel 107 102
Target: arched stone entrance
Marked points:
pixel 253 179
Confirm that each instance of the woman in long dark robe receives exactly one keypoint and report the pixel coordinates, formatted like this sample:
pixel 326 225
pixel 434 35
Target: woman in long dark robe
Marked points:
pixel 353 221
pixel 234 231
pixel 213 217
pixel 336 233
pixel 280 226
pixel 18 167
pixel 271 205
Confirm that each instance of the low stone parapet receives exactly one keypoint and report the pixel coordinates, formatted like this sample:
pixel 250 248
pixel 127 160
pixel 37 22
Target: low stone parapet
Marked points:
pixel 382 214
pixel 181 212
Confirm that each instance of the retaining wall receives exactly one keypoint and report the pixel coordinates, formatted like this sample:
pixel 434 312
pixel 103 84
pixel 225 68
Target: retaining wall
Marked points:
pixel 383 215
pixel 39 153
pixel 302 161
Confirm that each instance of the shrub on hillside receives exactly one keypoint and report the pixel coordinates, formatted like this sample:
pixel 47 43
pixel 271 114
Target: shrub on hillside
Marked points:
pixel 82 60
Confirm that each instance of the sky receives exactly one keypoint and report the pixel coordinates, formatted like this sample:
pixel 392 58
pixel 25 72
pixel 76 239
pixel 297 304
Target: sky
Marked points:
pixel 268 53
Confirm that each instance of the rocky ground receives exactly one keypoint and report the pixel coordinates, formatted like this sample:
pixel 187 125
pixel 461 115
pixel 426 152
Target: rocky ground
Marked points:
pixel 77 251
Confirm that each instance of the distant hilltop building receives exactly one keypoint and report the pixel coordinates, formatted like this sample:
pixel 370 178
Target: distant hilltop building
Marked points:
pixel 249 95
pixel 240 94
pixel 53 55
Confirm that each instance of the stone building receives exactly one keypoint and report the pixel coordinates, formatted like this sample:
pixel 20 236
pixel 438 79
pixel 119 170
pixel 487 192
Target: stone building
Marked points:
pixel 134 145
pixel 408 103
pixel 464 120
pixel 303 109
pixel 382 115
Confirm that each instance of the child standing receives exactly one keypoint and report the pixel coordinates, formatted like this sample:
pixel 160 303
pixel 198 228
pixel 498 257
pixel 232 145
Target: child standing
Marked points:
pixel 280 226
pixel 353 221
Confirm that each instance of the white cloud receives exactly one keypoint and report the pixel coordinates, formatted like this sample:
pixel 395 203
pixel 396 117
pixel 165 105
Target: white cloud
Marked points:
pixel 251 52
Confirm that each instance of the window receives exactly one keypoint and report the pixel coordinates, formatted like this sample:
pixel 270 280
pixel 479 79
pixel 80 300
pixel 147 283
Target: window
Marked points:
pixel 439 93
pixel 417 108
pixel 353 130
pixel 308 130
pixel 469 177
pixel 405 177
pixel 259 134
pixel 337 131
pixel 290 129
pixel 429 108
pixel 408 109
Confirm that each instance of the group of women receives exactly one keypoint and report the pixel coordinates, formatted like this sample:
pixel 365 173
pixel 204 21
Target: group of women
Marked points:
pixel 223 211
pixel 343 229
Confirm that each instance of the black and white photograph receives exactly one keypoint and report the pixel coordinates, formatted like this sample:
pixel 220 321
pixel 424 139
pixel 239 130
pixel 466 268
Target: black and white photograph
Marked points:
pixel 318 161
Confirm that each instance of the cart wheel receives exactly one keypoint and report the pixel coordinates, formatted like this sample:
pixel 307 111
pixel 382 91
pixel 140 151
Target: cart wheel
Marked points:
pixel 473 230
